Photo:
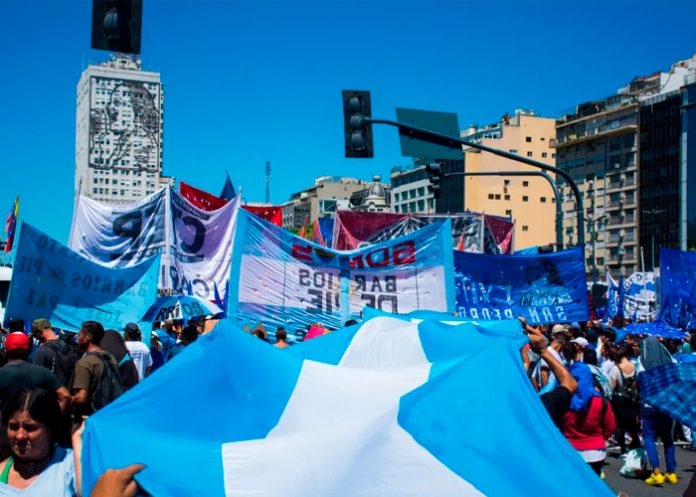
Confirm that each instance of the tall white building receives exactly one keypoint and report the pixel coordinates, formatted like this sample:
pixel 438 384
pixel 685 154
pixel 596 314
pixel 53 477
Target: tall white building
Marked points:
pixel 119 130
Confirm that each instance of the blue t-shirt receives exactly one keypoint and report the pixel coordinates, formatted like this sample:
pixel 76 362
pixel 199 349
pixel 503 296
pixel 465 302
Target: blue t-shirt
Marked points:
pixel 56 480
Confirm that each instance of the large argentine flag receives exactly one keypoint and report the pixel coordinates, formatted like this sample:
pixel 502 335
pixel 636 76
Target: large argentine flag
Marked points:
pixel 388 408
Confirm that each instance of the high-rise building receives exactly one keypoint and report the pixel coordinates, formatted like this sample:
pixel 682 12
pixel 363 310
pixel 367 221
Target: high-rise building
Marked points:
pixel 118 145
pixel 624 154
pixel 411 193
pixel 528 200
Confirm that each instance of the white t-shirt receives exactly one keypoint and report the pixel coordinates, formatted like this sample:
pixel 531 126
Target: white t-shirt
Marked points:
pixel 140 355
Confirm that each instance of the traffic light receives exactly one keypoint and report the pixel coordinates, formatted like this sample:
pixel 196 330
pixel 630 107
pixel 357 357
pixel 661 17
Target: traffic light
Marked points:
pixel 116 25
pixel 357 133
pixel 434 171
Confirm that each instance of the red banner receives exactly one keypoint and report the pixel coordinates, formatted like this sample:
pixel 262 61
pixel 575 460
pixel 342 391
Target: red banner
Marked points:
pixel 273 214
pixel 351 228
pixel 503 231
pixel 199 198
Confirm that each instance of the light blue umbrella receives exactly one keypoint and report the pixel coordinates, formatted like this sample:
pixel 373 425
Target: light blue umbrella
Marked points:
pixel 179 307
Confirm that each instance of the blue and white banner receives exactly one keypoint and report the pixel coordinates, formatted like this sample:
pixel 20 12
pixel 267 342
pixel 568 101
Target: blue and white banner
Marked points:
pixel 544 288
pixel 640 296
pixel 388 408
pixel 200 246
pixel 119 235
pixel 51 281
pixel 196 245
pixel 281 279
pixel 678 288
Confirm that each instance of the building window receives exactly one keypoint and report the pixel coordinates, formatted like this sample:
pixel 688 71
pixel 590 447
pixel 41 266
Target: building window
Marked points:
pixel 396 208
pixel 525 228
pixel 94 190
pixel 507 182
pixel 508 213
pixel 543 139
pixel 507 197
pixel 553 156
pixel 490 196
pixel 525 198
pixel 525 183
pixel 396 197
pixel 528 139
pixel 529 154
pixel 543 200
pixel 497 196
pixel 543 155
pixel 421 191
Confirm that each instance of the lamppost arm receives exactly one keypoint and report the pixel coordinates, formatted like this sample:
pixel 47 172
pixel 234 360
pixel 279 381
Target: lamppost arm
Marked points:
pixel 454 143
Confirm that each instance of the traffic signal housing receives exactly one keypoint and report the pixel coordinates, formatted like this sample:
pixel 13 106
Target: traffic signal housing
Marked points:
pixel 357 132
pixel 434 171
pixel 116 25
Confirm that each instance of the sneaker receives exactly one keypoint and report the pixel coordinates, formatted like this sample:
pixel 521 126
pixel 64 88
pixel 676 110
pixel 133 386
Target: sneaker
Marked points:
pixel 672 478
pixel 656 479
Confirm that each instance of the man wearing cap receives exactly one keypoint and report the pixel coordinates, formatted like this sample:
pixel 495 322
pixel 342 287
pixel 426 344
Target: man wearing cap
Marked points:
pixel 18 374
pixel 53 354
pixel 138 350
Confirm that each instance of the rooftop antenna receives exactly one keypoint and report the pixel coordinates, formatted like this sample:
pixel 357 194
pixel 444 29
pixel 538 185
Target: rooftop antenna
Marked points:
pixel 268 182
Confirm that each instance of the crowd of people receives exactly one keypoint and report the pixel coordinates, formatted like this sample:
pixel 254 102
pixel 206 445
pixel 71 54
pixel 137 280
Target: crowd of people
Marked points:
pixel 587 377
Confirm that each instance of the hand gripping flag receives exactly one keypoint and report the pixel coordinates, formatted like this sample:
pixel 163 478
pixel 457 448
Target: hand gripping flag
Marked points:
pixel 384 409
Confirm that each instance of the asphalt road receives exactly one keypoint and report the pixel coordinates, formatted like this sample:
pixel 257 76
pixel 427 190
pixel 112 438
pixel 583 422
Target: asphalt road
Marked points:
pixel 686 466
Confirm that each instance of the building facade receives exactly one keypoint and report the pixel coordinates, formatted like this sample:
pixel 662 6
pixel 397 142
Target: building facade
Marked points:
pixel 374 198
pixel 623 152
pixel 410 192
pixel 529 201
pixel 328 194
pixel 119 131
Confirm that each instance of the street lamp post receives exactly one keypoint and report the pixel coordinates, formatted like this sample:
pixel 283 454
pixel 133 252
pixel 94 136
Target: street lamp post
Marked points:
pixel 454 143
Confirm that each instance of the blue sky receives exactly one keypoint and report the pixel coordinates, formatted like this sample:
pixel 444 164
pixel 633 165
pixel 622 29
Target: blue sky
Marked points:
pixel 260 80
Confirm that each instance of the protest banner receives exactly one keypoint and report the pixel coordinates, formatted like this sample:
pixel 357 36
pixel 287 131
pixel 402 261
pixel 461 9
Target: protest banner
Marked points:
pixel 119 235
pixel 281 279
pixel 271 213
pixel 201 199
pixel 51 281
pixel 678 288
pixel 471 231
pixel 201 246
pixel 544 288
pixel 198 241
pixel 640 296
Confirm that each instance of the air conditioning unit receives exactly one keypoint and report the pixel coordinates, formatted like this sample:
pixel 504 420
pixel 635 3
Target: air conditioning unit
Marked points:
pixel 620 252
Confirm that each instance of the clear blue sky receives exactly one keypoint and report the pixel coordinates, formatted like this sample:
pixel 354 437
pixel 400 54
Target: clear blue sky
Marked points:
pixel 257 80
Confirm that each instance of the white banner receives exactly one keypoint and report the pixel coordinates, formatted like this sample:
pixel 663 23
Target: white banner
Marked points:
pixel 199 243
pixel 201 247
pixel 119 235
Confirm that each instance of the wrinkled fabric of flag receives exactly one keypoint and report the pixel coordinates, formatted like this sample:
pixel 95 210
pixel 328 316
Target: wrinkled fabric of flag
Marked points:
pixel 386 408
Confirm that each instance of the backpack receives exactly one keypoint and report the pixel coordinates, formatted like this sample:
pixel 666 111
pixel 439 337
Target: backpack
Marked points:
pixel 629 388
pixel 63 361
pixel 108 385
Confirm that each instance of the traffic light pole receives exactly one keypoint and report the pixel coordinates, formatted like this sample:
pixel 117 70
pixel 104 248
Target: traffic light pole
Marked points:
pixel 554 187
pixel 455 143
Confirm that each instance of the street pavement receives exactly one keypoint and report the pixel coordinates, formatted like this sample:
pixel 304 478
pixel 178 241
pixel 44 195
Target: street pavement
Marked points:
pixel 686 465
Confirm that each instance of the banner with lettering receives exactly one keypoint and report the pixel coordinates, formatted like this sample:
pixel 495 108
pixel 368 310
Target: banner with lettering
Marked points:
pixel 51 281
pixel 119 235
pixel 200 247
pixel 201 199
pixel 280 279
pixel 678 288
pixel 471 231
pixel 640 296
pixel 544 288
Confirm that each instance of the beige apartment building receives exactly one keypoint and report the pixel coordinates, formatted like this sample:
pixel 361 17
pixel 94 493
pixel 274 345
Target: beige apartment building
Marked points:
pixel 529 201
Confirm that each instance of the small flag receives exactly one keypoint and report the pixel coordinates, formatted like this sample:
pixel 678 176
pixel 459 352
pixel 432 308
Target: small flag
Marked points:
pixel 317 236
pixel 228 192
pixel 11 225
pixel 303 230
